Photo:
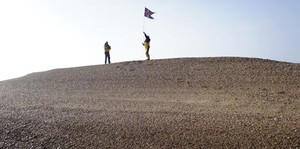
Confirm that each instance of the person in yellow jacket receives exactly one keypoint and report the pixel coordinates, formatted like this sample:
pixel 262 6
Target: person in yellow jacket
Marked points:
pixel 147 45
pixel 106 52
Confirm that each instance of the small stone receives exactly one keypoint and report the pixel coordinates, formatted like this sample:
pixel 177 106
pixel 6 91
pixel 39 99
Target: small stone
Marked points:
pixel 1 144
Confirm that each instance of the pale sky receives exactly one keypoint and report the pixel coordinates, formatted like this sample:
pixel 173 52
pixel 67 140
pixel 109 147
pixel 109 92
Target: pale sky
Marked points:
pixel 40 35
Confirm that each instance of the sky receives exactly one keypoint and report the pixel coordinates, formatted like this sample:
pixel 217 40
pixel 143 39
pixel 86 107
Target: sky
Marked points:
pixel 40 35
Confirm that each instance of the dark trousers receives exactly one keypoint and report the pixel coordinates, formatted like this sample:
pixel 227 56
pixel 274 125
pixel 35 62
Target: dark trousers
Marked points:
pixel 147 53
pixel 107 57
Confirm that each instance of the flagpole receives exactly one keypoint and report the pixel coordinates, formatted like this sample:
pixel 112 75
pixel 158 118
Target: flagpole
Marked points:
pixel 144 20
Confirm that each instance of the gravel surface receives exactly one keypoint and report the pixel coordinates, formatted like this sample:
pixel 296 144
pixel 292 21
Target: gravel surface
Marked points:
pixel 174 103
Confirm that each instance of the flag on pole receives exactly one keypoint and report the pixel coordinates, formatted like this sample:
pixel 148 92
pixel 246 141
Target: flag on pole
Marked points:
pixel 148 13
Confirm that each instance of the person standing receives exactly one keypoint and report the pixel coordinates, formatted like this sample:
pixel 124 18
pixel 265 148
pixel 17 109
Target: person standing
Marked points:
pixel 106 52
pixel 147 45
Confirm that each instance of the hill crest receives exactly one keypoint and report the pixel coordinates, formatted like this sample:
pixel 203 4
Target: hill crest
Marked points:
pixel 191 102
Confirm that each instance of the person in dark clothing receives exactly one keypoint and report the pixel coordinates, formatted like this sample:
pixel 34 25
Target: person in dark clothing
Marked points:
pixel 106 52
pixel 147 45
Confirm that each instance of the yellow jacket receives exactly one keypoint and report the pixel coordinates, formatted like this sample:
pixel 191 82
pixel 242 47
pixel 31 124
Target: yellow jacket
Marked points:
pixel 106 48
pixel 146 45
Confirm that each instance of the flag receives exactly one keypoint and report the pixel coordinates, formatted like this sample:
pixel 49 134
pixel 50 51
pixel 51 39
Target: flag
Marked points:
pixel 148 13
